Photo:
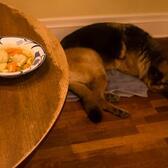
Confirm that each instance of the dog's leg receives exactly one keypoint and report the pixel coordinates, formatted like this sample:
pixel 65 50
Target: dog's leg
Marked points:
pixel 117 111
pixel 89 101
pixel 99 86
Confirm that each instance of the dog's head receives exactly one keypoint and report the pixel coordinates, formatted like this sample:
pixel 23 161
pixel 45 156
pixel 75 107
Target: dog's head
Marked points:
pixel 157 76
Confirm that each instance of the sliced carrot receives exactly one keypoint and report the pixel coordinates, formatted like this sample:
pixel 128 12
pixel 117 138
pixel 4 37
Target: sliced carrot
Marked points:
pixel 12 67
pixel 13 51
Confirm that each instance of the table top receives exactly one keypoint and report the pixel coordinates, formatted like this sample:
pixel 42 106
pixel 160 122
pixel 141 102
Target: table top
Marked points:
pixel 30 104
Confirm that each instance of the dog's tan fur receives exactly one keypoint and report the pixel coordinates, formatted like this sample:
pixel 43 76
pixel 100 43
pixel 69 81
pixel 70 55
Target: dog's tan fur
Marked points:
pixel 88 76
pixel 89 80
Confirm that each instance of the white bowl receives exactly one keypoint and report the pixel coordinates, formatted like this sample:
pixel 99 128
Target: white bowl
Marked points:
pixel 37 50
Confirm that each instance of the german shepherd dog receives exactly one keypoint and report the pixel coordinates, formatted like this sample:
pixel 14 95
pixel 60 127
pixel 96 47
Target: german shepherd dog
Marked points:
pixel 93 49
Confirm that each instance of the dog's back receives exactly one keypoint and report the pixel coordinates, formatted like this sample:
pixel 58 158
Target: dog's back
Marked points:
pixel 108 39
pixel 100 37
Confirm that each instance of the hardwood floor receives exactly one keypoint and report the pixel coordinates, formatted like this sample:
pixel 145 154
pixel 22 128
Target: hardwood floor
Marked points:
pixel 140 141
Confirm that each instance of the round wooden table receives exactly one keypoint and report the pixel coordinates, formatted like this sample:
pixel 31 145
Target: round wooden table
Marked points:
pixel 30 104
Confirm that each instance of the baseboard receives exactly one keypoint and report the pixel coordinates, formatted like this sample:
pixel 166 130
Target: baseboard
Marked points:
pixel 155 24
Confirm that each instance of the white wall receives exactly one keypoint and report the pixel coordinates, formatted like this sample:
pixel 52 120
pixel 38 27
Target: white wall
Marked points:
pixel 64 8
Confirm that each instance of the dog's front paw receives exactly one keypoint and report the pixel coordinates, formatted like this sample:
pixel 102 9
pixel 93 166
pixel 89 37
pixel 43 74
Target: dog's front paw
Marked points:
pixel 121 113
pixel 112 98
